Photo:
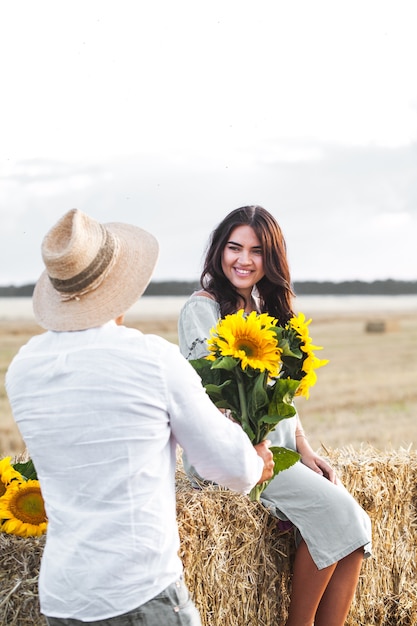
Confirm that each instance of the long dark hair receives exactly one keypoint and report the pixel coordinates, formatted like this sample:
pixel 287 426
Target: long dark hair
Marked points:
pixel 275 291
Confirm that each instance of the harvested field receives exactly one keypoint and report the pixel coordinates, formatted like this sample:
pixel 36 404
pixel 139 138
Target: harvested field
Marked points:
pixel 367 394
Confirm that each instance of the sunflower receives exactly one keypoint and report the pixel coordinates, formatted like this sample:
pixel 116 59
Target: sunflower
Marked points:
pixel 22 509
pixel 7 474
pixel 310 361
pixel 300 325
pixel 248 338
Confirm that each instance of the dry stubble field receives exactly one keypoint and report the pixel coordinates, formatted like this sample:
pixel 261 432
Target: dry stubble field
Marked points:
pixel 367 394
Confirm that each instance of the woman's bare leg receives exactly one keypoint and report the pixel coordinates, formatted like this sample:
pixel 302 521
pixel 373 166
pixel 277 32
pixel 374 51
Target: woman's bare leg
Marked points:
pixel 335 603
pixel 322 597
pixel 308 587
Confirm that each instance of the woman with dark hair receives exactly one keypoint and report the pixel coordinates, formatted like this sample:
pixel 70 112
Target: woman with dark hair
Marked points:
pixel 274 287
pixel 246 267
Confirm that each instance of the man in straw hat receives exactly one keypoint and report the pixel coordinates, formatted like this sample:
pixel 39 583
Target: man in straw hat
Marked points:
pixel 102 408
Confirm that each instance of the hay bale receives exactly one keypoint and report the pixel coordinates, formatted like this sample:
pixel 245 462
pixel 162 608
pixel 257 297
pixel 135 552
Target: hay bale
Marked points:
pixel 238 562
pixel 375 326
pixel 238 565
pixel 382 325
pixel 19 570
pixel 385 484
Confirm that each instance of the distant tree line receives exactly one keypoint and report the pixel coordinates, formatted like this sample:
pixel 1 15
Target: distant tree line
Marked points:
pixel 301 288
pixel 357 288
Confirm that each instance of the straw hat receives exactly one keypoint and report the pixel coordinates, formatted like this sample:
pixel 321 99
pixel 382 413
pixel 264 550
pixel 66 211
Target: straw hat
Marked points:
pixel 94 272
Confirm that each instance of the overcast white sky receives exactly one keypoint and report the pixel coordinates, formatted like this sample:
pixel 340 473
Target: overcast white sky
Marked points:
pixel 170 114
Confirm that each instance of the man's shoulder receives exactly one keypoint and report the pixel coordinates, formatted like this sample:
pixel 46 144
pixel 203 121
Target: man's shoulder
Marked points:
pixel 153 344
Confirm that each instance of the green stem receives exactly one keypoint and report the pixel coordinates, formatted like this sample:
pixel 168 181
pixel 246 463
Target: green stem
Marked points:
pixel 243 404
pixel 263 429
pixel 255 492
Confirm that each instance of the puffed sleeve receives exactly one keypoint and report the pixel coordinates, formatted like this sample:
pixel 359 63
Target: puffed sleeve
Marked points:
pixel 197 317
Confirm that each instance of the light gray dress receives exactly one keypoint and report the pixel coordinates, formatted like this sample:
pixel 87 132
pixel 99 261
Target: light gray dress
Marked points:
pixel 325 515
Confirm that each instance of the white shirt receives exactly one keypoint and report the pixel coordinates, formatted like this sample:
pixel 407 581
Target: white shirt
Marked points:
pixel 101 412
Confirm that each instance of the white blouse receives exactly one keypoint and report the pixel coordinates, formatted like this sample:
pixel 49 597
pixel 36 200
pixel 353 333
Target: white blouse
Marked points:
pixel 197 317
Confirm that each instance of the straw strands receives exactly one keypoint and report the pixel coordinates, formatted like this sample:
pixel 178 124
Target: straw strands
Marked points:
pixel 386 486
pixel 235 557
pixel 238 561
pixel 19 570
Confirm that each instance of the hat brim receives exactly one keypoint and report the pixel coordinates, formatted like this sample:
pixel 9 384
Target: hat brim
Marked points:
pixel 125 283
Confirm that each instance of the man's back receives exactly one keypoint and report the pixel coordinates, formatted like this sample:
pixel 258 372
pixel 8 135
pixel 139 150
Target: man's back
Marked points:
pixel 92 407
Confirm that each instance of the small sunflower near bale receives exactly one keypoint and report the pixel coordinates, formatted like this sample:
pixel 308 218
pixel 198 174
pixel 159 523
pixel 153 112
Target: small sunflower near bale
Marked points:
pixel 23 523
pixel 22 509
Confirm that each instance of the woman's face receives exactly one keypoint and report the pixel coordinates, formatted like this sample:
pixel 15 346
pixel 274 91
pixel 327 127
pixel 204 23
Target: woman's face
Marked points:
pixel 242 259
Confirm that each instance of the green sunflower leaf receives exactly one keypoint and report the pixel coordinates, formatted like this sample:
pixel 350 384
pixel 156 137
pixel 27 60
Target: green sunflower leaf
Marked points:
pixel 27 470
pixel 283 458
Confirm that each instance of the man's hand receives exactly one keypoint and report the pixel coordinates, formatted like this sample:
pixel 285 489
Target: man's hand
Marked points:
pixel 265 453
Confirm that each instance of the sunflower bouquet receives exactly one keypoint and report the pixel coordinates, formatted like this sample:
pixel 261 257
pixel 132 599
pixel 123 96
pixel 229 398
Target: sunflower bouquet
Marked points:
pixel 254 369
pixel 22 510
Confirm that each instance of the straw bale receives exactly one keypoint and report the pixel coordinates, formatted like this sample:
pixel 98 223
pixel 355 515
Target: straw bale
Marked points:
pixel 238 566
pixel 385 484
pixel 238 563
pixel 19 570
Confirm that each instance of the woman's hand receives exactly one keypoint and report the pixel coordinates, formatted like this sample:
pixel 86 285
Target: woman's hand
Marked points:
pixel 320 466
pixel 315 462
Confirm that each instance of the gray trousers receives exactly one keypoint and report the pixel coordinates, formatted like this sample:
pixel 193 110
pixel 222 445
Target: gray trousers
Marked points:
pixel 172 607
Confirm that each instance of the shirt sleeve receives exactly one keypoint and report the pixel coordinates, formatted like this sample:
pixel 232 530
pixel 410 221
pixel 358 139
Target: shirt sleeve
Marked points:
pixel 197 317
pixel 217 447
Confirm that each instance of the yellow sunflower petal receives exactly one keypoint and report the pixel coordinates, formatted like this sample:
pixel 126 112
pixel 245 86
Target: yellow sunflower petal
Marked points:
pixel 8 474
pixel 249 339
pixel 22 509
pixel 310 361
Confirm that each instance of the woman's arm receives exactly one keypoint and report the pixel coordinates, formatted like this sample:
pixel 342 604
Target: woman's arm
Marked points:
pixel 310 458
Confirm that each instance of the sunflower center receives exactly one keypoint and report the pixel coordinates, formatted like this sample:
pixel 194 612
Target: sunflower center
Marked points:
pixel 250 348
pixel 28 506
pixel 2 489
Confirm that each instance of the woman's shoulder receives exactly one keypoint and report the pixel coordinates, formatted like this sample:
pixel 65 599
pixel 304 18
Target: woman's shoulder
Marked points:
pixel 201 299
pixel 199 309
pixel 203 294
pixel 200 304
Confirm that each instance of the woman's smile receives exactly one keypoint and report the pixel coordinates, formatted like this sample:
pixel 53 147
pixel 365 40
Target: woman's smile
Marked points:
pixel 242 259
